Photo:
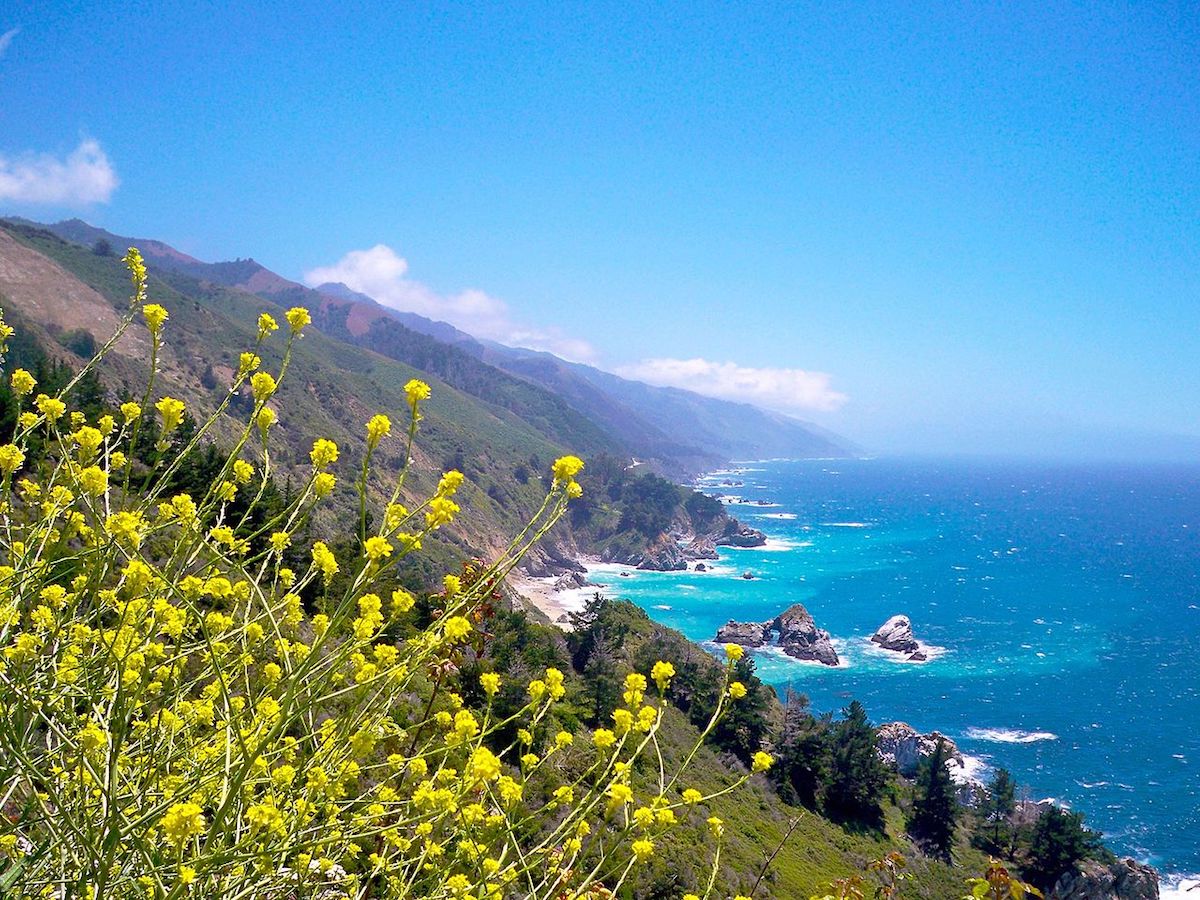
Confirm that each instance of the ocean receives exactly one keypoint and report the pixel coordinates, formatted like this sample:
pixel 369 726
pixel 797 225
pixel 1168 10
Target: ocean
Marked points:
pixel 1060 605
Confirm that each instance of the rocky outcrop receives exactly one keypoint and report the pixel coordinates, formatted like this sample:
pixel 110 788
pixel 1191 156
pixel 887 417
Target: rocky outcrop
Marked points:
pixel 747 634
pixel 547 559
pixel 735 534
pixel 1126 879
pixel 903 748
pixel 800 637
pixel 896 634
pixel 664 555
pixel 702 547
pixel 793 630
pixel 570 581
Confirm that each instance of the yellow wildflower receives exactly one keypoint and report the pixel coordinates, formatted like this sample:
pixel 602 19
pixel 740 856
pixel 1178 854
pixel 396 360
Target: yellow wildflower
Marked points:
pixel 324 560
pixel 416 391
pixel 22 382
pixel 171 411
pixel 154 315
pixel 50 407
pixel 449 483
pixel 377 548
pixel 662 674
pixel 379 427
pixel 565 468
pixel 11 459
pixel 298 317
pixel 93 480
pixel 762 761
pixel 183 821
pixel 441 512
pixel 734 651
pixel 266 324
pixel 324 452
pixel 456 628
pixel 262 385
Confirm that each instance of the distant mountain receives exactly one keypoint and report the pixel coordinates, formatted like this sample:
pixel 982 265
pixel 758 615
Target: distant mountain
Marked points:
pixel 675 431
pixel 730 430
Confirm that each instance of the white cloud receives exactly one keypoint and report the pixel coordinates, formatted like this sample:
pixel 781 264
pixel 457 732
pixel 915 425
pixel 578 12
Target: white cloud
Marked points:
pixel 7 38
pixel 382 274
pixel 787 390
pixel 83 177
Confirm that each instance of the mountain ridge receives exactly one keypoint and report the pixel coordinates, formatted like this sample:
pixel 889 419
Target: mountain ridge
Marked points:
pixel 676 432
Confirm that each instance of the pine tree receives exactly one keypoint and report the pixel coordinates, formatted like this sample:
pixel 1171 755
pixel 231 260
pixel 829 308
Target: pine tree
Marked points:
pixel 996 810
pixel 935 808
pixel 857 774
pixel 1059 842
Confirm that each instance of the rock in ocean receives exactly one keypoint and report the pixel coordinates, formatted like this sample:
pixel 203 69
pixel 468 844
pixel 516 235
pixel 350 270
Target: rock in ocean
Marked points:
pixel 896 634
pixel 794 631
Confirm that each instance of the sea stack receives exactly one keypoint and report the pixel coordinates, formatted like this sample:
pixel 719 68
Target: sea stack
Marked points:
pixel 793 630
pixel 896 635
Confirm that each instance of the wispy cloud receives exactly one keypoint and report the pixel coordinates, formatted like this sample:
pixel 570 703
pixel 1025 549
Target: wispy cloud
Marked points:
pixel 786 390
pixel 382 274
pixel 7 38
pixel 84 176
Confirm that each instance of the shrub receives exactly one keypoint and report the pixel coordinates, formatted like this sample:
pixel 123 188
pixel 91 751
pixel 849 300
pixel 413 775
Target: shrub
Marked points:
pixel 175 720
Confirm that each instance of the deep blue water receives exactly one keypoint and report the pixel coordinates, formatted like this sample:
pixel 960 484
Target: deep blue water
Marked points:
pixel 1067 601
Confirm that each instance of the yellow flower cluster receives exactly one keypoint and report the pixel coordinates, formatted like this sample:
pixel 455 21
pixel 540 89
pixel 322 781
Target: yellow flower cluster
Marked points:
pixel 226 725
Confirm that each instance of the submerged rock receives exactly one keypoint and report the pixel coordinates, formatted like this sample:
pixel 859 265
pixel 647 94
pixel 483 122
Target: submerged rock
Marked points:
pixel 793 630
pixel 1125 879
pixel 896 634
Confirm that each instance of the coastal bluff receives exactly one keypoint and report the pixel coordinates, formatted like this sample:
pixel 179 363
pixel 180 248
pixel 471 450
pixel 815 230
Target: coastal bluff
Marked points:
pixel 794 631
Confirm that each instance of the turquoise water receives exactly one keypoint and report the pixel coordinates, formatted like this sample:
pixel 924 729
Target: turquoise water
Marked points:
pixel 1063 606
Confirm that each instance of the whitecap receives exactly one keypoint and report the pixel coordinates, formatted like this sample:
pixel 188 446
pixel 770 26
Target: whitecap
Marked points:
pixel 1010 735
pixel 1176 886
pixel 931 652
pixel 661 606
pixel 845 524
pixel 788 516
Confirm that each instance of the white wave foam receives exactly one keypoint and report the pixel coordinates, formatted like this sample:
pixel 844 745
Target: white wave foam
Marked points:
pixel 1010 735
pixel 972 771
pixel 931 652
pixel 773 545
pixel 845 524
pixel 1176 886
pixel 788 516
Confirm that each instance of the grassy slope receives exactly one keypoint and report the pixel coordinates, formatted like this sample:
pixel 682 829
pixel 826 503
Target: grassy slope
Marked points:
pixel 331 390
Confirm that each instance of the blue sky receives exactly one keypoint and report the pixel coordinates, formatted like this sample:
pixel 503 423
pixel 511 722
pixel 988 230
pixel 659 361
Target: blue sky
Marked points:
pixel 966 229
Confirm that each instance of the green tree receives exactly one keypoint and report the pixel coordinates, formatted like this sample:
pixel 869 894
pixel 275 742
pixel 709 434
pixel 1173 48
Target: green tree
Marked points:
pixel 935 808
pixel 802 767
pixel 1058 843
pixel 994 832
pixel 857 774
